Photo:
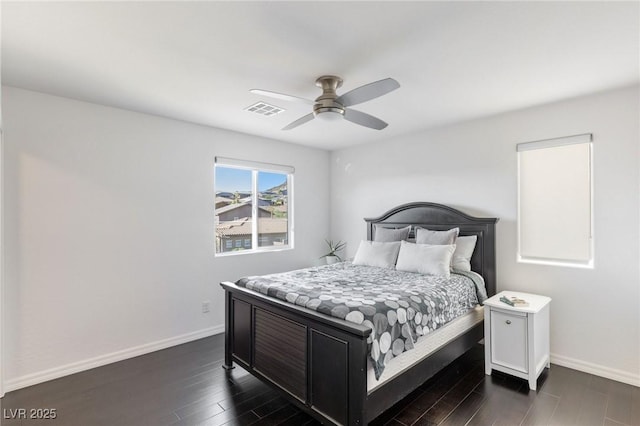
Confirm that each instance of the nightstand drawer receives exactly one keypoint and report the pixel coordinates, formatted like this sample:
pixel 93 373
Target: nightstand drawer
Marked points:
pixel 509 340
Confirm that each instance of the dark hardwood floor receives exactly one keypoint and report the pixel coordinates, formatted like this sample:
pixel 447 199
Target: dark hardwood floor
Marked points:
pixel 185 385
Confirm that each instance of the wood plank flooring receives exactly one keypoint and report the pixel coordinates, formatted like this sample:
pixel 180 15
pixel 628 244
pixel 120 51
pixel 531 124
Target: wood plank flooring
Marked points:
pixel 185 385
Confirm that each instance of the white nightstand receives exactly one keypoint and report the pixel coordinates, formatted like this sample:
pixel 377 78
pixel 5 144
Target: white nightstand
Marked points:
pixel 516 339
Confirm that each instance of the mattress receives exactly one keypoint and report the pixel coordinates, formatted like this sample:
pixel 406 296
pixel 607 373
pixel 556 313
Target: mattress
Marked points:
pixel 425 346
pixel 398 306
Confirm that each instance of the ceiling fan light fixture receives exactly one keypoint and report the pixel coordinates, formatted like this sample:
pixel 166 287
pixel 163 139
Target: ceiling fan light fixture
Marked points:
pixel 330 116
pixel 329 113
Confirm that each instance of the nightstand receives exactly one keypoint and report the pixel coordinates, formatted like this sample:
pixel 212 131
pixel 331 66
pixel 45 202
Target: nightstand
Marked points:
pixel 516 338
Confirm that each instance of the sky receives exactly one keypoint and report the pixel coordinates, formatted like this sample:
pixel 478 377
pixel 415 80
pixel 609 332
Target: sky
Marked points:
pixel 229 179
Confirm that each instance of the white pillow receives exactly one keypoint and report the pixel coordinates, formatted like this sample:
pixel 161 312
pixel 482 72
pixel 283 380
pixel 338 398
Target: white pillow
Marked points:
pixel 374 253
pixel 426 236
pixel 464 250
pixel 425 258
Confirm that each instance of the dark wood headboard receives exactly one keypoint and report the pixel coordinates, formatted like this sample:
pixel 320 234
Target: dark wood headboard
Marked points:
pixel 439 217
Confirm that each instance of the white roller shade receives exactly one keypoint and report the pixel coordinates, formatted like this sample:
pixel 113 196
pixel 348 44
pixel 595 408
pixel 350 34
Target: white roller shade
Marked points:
pixel 247 164
pixel 555 201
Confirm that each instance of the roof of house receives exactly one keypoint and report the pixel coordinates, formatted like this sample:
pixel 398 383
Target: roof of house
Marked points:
pixel 220 199
pixel 243 227
pixel 231 207
pixel 236 206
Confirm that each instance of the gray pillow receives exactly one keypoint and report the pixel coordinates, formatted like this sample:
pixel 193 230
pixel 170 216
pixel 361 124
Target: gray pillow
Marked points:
pixel 439 238
pixel 387 235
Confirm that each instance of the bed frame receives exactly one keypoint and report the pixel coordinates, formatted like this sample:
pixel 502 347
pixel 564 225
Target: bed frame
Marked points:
pixel 320 362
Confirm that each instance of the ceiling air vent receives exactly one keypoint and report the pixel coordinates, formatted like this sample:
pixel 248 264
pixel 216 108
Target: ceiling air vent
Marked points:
pixel 264 109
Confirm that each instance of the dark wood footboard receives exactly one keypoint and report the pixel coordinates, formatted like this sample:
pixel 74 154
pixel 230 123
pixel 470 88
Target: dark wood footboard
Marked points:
pixel 320 363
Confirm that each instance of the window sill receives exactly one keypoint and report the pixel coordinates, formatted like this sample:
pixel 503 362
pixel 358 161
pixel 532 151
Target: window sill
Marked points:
pixel 262 250
pixel 549 262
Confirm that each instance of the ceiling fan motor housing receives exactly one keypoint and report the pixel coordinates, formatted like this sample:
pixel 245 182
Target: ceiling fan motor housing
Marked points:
pixel 326 102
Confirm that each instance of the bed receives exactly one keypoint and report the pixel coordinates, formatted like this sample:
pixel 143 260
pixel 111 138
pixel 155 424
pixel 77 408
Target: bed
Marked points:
pixel 320 362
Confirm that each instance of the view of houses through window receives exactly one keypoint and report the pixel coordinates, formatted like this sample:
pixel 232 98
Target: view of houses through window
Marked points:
pixel 251 209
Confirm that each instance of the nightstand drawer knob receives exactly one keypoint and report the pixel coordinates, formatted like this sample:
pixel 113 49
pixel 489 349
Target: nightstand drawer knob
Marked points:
pixel 508 321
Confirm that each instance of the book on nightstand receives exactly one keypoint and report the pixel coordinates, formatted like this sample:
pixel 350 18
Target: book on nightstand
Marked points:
pixel 516 302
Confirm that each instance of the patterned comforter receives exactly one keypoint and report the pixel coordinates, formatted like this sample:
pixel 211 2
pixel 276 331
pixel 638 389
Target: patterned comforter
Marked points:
pixel 398 306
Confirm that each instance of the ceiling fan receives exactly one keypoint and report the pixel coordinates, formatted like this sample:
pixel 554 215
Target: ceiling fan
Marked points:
pixel 330 106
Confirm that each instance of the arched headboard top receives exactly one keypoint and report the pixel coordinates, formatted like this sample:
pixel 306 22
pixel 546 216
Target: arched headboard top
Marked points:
pixel 440 217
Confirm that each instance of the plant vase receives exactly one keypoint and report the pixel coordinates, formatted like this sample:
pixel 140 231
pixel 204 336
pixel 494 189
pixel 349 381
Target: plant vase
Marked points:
pixel 331 259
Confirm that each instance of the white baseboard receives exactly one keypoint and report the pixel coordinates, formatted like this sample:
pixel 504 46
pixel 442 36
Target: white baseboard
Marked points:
pixel 76 367
pixel 597 370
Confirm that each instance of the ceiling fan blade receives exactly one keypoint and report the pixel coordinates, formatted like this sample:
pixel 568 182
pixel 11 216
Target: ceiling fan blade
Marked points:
pixel 364 119
pixel 281 96
pixel 368 92
pixel 299 121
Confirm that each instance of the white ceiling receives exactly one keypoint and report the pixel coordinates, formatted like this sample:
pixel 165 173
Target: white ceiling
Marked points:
pixel 196 61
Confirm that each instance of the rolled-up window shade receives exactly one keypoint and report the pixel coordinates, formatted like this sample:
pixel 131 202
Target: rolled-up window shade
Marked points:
pixel 247 164
pixel 555 201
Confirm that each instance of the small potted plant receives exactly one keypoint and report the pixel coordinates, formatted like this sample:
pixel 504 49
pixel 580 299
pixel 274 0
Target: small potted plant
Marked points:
pixel 334 247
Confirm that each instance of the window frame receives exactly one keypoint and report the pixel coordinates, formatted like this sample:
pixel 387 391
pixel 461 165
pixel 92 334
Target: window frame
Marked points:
pixel 582 139
pixel 255 168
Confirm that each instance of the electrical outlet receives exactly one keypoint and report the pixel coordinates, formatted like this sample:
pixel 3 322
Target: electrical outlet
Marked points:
pixel 206 306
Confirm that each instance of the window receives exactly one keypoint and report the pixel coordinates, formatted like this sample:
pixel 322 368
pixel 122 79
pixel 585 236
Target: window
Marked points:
pixel 252 206
pixel 555 201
